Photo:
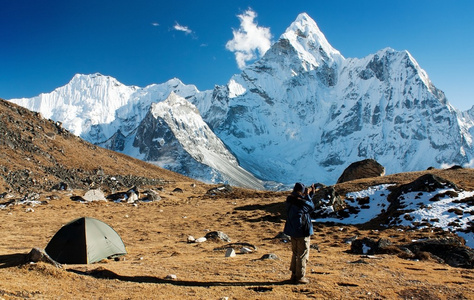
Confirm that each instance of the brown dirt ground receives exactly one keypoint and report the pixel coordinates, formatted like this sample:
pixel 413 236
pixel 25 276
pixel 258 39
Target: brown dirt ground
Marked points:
pixel 155 235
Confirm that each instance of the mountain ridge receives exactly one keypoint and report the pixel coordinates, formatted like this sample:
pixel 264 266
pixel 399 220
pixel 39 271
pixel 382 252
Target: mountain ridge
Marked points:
pixel 302 112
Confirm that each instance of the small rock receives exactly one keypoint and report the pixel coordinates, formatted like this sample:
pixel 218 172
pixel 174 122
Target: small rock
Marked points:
pixel 269 256
pixel 245 250
pixel 171 277
pixel 215 235
pixel 350 239
pixel 201 240
pixel 230 252
pixel 61 186
pixel 132 195
pixel 152 195
pixel 191 239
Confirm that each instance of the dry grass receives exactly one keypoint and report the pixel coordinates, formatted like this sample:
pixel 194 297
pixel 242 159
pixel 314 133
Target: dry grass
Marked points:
pixel 155 235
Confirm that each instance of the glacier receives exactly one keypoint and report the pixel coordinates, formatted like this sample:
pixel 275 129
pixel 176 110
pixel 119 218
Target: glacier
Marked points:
pixel 302 112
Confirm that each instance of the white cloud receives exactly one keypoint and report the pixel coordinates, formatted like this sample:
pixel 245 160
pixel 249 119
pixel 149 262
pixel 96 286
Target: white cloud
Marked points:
pixel 184 29
pixel 155 24
pixel 470 164
pixel 446 165
pixel 250 40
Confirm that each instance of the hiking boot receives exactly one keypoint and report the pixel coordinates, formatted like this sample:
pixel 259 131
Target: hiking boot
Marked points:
pixel 302 280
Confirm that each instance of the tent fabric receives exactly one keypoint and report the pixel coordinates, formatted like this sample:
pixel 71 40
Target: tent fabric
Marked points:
pixel 85 241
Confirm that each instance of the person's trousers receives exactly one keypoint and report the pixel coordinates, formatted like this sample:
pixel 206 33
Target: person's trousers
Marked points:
pixel 300 249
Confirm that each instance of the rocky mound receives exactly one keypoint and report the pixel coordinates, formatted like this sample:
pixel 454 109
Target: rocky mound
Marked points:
pixel 429 201
pixel 449 250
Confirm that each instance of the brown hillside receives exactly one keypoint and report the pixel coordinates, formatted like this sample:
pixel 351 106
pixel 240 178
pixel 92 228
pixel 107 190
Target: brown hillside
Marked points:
pixel 37 154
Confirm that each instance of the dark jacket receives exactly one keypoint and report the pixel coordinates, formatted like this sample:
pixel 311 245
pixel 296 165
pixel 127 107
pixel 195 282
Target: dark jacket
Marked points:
pixel 298 219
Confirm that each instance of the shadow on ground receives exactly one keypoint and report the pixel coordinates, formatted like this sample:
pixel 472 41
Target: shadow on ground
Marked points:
pixel 107 274
pixel 12 260
pixel 277 213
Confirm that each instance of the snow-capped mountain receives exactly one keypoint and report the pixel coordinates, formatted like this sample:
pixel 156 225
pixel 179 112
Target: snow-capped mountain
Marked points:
pixel 156 124
pixel 303 112
pixel 174 136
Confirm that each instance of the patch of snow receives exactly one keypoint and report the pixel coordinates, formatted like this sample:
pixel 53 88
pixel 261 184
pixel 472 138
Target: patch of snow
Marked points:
pixel 235 89
pixel 448 212
pixel 378 201
pixel 441 213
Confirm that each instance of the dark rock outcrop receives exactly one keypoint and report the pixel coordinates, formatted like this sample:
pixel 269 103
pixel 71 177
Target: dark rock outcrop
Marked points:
pixel 449 250
pixel 370 246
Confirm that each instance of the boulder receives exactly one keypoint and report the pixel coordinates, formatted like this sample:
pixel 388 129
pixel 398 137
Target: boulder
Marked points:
pixel 230 252
pixel 364 246
pixel 217 235
pixel 370 246
pixel 223 189
pixel 328 196
pixel 269 256
pixel 366 168
pixel 450 250
pixel 132 195
pixel 94 195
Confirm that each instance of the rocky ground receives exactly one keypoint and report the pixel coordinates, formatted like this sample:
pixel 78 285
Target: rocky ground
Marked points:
pixel 161 263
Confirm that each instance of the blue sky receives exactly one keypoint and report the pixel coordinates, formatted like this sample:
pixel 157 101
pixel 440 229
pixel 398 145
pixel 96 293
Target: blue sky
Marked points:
pixel 45 42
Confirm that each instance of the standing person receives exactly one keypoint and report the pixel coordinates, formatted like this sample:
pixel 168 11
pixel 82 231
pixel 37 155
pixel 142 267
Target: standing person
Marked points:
pixel 298 226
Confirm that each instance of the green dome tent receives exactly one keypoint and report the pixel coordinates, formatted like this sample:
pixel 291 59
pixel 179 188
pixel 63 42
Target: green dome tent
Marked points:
pixel 85 241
